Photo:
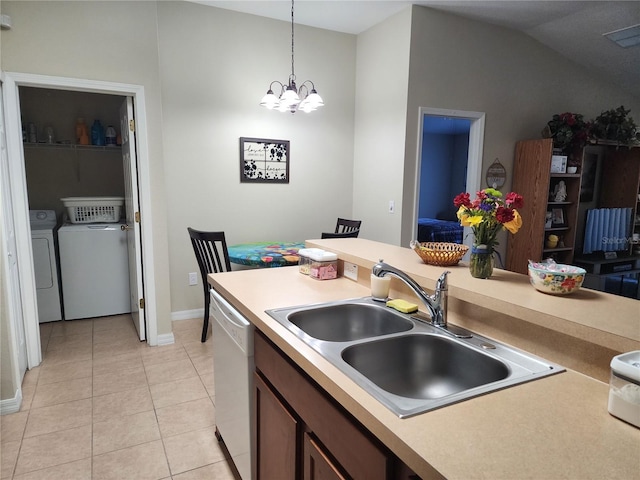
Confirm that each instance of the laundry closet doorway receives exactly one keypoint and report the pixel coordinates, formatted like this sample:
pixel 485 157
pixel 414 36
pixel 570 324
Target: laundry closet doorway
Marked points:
pixel 137 195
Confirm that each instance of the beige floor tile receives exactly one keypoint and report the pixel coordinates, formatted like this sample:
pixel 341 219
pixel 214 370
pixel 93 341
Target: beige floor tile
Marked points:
pixel 180 391
pixel 53 449
pixel 73 327
pixel 65 371
pixel 123 432
pixel 199 349
pixel 108 349
pixel 28 391
pixel 188 335
pixel 117 363
pixel 192 450
pixel 12 426
pixel 113 322
pixel 31 376
pixel 115 336
pixel 203 364
pixel 117 358
pixel 189 324
pixel 218 471
pixel 69 341
pixel 119 404
pixel 61 392
pixel 170 371
pixel 186 417
pixel 75 354
pixel 142 462
pixel 166 353
pixel 58 417
pixel 78 470
pixel 207 381
pixel 8 458
pixel 119 381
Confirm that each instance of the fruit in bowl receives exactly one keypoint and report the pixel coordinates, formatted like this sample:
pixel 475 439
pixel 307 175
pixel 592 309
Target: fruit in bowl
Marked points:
pixel 555 278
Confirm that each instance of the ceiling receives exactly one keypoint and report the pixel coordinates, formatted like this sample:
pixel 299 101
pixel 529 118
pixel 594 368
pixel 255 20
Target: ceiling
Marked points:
pixel 572 28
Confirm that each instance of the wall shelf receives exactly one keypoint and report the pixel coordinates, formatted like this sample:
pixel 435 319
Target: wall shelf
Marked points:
pixel 73 146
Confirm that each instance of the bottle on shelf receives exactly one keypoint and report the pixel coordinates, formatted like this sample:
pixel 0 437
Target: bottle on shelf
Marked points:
pixel 82 134
pixel 110 136
pixel 97 133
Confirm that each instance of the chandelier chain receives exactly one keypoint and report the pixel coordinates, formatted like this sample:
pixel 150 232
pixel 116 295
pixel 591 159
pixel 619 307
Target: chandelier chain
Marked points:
pixel 292 37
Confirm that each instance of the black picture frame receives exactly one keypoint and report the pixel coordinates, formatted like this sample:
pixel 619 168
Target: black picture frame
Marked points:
pixel 264 160
pixel 557 217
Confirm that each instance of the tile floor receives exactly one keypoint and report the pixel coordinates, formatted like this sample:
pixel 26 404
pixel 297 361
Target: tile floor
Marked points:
pixel 103 405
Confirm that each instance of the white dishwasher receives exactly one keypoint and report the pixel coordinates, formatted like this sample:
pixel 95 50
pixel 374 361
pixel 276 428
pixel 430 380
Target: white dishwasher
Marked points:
pixel 233 367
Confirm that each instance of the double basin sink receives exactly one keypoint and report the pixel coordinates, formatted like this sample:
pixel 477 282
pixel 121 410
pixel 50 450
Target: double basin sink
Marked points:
pixel 405 363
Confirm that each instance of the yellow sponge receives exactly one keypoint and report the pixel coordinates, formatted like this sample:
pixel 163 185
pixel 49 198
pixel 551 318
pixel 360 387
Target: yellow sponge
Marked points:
pixel 402 305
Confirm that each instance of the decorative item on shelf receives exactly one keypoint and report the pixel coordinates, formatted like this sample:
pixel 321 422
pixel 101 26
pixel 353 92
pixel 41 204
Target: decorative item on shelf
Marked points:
pixel 496 175
pixel 568 130
pixel 617 126
pixel 293 98
pixel 487 215
pixel 560 192
pixel 552 241
pixel 555 278
pixel 442 254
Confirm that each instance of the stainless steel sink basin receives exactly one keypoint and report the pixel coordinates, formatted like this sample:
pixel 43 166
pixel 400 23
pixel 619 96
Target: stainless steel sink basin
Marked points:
pixel 424 366
pixel 410 366
pixel 349 321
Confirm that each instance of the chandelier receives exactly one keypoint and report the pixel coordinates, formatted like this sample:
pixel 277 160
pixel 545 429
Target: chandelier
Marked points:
pixel 292 98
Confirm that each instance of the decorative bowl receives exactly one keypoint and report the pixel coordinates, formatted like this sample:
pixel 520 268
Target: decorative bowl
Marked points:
pixel 442 254
pixel 556 278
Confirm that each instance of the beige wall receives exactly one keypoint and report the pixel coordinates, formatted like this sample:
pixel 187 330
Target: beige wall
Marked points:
pixel 205 69
pixel 519 83
pixel 215 67
pixel 108 41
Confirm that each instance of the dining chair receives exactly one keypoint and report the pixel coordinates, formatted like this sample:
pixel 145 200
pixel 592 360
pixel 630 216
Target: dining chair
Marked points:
pixel 213 257
pixel 344 225
pixel 351 234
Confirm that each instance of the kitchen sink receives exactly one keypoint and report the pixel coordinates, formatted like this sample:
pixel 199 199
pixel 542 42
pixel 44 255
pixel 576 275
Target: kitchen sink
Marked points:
pixel 349 321
pixel 424 366
pixel 407 364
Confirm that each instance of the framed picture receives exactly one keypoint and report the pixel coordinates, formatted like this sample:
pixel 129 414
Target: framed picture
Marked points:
pixel 558 164
pixel 263 160
pixel 557 217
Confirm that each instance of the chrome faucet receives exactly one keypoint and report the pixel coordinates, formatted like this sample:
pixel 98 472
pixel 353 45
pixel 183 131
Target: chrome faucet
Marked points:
pixel 436 304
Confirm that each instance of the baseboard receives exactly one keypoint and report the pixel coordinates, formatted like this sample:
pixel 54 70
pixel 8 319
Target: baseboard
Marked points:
pixel 11 405
pixel 187 314
pixel 166 339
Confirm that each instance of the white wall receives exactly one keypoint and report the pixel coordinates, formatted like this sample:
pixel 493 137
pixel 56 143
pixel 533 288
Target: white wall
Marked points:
pixel 215 67
pixel 109 41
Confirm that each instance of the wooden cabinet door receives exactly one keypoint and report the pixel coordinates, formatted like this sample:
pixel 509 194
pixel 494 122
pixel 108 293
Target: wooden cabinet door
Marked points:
pixel 276 436
pixel 317 464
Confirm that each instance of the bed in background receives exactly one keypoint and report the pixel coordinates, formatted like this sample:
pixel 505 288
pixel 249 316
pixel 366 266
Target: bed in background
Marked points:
pixel 434 230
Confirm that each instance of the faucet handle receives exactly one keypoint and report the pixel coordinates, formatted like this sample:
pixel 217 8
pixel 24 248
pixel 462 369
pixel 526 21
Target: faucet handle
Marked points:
pixel 441 283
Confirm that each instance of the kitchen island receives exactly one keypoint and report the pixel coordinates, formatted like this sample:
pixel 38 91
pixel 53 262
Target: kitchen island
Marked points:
pixel 555 427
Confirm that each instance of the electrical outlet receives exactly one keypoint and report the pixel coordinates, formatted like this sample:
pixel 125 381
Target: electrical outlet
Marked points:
pixel 351 271
pixel 392 206
pixel 193 278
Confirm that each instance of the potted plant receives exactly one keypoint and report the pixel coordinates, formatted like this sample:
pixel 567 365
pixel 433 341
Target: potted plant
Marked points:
pixel 568 130
pixel 617 126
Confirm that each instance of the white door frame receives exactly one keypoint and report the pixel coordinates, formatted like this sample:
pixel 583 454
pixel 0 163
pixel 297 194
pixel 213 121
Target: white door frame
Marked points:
pixel 13 80
pixel 474 165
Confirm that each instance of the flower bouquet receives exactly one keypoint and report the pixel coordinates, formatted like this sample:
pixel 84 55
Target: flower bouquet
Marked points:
pixel 487 215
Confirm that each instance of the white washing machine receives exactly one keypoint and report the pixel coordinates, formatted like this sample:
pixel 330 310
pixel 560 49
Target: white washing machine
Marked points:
pixel 45 265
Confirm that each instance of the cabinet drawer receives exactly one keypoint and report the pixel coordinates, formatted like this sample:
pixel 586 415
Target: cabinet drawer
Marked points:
pixel 353 449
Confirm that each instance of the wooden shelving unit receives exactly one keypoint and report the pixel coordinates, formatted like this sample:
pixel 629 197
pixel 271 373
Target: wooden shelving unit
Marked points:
pixel 532 178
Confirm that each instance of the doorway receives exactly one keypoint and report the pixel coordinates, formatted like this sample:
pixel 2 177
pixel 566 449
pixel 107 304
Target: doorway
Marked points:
pixel 450 144
pixel 20 212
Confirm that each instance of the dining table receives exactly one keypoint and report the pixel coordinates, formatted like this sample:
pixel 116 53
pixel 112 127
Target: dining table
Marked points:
pixel 265 254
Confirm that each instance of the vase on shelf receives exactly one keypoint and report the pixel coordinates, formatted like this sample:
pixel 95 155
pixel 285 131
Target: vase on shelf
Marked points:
pixel 481 261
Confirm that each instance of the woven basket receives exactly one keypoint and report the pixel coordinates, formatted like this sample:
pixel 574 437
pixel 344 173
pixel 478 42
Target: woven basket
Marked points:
pixel 439 253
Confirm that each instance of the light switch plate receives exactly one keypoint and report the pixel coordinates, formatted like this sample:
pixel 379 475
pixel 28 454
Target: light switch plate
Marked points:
pixel 351 271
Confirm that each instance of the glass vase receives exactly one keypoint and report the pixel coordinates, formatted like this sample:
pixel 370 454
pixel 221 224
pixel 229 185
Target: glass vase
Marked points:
pixel 481 261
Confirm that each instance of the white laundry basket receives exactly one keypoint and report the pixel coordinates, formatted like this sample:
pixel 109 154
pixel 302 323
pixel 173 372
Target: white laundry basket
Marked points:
pixel 93 209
